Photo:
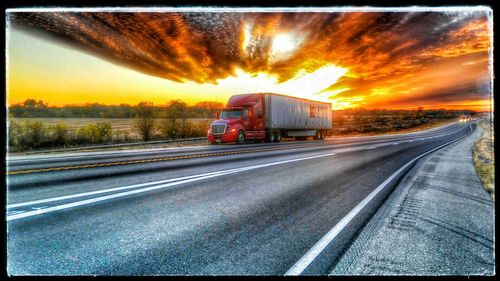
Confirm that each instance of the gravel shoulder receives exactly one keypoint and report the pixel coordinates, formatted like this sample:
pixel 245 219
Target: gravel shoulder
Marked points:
pixel 438 221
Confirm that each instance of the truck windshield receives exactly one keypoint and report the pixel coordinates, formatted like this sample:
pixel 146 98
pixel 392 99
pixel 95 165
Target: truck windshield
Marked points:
pixel 231 113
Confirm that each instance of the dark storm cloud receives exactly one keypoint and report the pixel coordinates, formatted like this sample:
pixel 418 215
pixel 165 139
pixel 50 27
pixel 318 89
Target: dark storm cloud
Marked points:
pixel 206 46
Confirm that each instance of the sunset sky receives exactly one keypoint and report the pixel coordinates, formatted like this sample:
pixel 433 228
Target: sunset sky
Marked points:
pixel 393 60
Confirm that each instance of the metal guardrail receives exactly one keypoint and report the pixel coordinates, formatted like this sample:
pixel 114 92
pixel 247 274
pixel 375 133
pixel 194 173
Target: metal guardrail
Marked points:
pixel 145 143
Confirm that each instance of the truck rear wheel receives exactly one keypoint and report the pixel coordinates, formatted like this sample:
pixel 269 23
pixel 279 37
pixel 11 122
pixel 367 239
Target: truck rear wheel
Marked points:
pixel 241 138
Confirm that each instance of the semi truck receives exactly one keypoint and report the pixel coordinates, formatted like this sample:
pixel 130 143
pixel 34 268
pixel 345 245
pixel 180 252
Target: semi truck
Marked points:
pixel 270 117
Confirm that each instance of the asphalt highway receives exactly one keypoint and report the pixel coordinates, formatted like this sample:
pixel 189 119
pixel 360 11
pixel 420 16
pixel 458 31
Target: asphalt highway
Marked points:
pixel 213 210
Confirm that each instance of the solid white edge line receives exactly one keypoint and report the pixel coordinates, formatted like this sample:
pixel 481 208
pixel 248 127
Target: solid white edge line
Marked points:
pixel 116 195
pixel 314 252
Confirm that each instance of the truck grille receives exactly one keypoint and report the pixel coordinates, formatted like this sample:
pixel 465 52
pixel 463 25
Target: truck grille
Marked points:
pixel 218 129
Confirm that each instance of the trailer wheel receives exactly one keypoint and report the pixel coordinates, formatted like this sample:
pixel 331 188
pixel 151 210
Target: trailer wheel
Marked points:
pixel 277 136
pixel 318 135
pixel 241 138
pixel 270 136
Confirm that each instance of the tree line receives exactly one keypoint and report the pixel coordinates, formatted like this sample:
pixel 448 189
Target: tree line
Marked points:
pixel 32 108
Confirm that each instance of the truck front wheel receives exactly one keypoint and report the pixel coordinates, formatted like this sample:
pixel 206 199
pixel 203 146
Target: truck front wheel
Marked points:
pixel 241 138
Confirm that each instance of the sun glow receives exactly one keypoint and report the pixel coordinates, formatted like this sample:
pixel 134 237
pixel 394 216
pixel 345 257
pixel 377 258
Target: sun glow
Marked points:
pixel 304 84
pixel 283 43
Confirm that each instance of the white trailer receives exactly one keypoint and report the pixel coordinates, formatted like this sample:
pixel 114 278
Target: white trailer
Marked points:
pixel 297 117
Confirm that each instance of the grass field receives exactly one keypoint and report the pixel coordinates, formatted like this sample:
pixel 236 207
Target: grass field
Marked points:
pixel 116 123
pixel 483 156
pixel 418 128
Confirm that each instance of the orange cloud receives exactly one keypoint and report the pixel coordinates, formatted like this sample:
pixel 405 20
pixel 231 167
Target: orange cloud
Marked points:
pixel 392 59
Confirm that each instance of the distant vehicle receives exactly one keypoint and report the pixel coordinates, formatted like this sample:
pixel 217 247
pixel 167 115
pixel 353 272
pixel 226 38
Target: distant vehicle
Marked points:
pixel 465 118
pixel 269 117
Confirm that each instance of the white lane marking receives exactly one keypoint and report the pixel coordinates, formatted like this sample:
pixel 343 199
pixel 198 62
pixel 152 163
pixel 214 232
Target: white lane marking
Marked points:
pixel 314 252
pixel 15 212
pixel 83 194
pixel 371 147
pixel 395 143
pixel 116 195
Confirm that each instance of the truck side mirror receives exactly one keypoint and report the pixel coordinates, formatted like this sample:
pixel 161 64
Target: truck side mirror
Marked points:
pixel 217 114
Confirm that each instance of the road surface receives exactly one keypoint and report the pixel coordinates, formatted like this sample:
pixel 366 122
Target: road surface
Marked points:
pixel 213 210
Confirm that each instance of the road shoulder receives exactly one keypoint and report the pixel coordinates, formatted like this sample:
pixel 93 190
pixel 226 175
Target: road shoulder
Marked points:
pixel 438 221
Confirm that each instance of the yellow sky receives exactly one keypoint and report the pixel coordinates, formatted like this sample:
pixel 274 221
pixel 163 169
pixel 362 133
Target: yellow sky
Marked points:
pixel 55 73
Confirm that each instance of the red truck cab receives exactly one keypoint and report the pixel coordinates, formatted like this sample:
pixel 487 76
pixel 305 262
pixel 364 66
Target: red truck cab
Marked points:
pixel 242 119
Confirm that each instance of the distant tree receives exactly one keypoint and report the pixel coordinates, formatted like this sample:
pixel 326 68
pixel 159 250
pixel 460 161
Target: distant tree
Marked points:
pixel 176 109
pixel 207 109
pixel 172 128
pixel 145 120
pixel 30 103
pixel 40 104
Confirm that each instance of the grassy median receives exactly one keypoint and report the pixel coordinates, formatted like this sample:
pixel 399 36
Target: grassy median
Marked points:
pixel 483 154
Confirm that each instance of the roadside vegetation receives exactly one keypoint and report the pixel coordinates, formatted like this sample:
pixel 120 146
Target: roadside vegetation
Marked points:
pixel 483 156
pixel 148 123
pixel 34 125
pixel 354 122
